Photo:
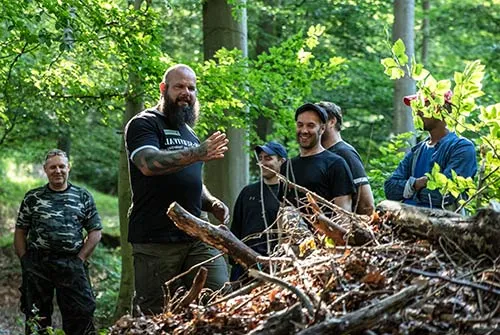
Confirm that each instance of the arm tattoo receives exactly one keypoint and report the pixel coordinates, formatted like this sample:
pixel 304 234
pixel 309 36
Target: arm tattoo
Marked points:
pixel 153 162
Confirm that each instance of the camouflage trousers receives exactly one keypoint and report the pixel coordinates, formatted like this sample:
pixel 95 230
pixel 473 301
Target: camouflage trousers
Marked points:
pixel 45 273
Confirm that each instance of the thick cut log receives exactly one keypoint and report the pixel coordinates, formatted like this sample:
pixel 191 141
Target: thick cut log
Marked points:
pixel 281 323
pixel 217 236
pixel 478 234
pixel 366 317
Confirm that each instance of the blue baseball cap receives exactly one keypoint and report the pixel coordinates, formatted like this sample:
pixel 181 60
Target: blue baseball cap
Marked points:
pixel 272 148
pixel 313 108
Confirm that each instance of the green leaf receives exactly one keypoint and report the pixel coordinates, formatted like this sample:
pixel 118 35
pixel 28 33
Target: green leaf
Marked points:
pixel 329 242
pixel 398 49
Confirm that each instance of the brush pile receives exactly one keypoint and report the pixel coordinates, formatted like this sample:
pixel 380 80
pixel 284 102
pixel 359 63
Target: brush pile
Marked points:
pixel 402 271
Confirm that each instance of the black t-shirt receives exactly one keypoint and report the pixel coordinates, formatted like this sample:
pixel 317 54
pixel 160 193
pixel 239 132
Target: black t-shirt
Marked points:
pixel 247 214
pixel 353 160
pixel 151 196
pixel 325 174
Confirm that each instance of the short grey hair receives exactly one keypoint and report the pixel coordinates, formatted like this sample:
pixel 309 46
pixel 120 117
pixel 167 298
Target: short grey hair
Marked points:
pixel 55 152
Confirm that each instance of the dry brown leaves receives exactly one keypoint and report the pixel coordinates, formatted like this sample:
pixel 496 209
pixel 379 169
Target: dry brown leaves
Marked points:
pixel 341 280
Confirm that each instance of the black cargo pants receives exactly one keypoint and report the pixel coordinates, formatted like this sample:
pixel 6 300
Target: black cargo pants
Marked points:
pixel 45 272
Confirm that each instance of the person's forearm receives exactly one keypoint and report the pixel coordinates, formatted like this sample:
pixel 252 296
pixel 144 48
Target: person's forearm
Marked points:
pixel 207 199
pixel 366 204
pixel 159 162
pixel 344 201
pixel 20 242
pixel 90 243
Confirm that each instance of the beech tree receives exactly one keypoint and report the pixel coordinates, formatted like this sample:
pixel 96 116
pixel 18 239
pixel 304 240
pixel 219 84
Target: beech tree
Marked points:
pixel 403 29
pixel 226 177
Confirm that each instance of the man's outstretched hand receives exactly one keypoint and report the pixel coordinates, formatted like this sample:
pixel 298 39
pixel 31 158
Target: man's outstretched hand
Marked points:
pixel 213 147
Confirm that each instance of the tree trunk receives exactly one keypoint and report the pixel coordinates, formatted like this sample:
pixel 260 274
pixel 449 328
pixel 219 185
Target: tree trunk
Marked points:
pixel 64 139
pixel 133 105
pixel 426 5
pixel 268 35
pixel 226 177
pixel 475 235
pixel 403 29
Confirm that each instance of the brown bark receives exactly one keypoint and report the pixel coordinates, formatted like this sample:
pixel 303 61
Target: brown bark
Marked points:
pixel 198 284
pixel 281 323
pixel 475 235
pixel 217 236
pixel 352 230
pixel 356 235
pixel 365 317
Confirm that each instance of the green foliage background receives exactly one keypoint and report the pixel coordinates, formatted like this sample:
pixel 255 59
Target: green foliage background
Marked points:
pixel 64 69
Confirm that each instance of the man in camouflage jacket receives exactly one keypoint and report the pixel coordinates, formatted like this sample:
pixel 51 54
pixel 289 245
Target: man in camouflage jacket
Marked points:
pixel 50 244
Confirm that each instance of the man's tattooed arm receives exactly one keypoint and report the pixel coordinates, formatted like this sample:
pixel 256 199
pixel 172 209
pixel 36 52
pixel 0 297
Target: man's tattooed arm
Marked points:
pixel 159 162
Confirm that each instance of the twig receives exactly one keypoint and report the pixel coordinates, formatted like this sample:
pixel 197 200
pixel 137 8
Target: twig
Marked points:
pixel 198 283
pixel 167 284
pixel 479 191
pixel 241 291
pixel 452 280
pixel 306 302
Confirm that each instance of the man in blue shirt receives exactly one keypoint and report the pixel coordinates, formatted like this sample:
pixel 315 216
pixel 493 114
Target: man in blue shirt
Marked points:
pixel 451 152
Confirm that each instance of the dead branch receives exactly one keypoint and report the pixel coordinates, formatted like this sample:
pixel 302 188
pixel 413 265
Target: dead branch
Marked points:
pixel 301 295
pixel 198 284
pixel 281 323
pixel 217 236
pixel 476 235
pixel 453 280
pixel 367 316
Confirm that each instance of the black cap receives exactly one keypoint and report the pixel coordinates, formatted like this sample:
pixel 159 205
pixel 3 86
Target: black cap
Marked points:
pixel 272 148
pixel 314 108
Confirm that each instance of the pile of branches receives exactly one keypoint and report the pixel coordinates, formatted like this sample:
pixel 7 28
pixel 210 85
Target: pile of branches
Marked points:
pixel 402 271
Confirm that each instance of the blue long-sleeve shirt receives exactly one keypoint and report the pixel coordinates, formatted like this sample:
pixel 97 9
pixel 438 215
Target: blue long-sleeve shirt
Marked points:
pixel 451 153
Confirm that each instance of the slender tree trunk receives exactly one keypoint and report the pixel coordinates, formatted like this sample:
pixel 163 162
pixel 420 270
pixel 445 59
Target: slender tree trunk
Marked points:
pixel 64 140
pixel 226 177
pixel 133 105
pixel 267 36
pixel 426 5
pixel 404 12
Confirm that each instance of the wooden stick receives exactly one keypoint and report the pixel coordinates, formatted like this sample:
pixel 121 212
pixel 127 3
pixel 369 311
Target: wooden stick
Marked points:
pixel 280 323
pixel 194 291
pixel 306 302
pixel 366 316
pixel 217 236
pixel 454 281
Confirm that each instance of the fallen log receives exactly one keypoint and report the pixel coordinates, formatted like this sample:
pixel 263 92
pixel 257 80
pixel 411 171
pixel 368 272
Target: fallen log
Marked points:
pixel 475 235
pixel 217 236
pixel 366 317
